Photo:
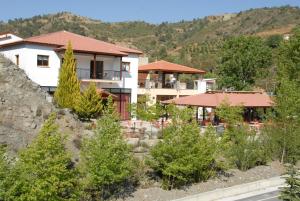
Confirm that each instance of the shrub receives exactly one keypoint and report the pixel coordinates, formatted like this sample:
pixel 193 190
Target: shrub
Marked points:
pixel 183 156
pixel 245 149
pixel 44 169
pixel 4 171
pixel 107 160
pixel 89 104
pixel 68 88
pixel 292 191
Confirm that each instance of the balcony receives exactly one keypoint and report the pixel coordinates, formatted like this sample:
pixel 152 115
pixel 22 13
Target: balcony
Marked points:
pixel 100 76
pixel 157 84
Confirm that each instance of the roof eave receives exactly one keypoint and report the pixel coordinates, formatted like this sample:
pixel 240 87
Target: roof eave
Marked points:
pixel 171 71
pixel 93 52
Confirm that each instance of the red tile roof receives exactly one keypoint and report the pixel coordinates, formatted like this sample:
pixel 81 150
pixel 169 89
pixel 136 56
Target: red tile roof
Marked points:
pixel 165 66
pixel 79 43
pixel 214 99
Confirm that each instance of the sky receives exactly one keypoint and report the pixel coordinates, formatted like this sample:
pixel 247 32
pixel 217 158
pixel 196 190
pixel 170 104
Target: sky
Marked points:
pixel 153 11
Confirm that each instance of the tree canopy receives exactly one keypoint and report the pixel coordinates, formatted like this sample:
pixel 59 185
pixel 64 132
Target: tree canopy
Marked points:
pixel 243 59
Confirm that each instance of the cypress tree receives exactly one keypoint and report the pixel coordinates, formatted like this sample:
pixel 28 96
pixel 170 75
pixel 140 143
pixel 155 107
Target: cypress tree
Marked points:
pixel 89 104
pixel 44 170
pixel 68 88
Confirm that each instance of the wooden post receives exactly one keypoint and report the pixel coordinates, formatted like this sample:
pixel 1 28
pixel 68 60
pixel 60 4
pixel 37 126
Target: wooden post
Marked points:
pixel 203 112
pixel 120 68
pixel 94 67
pixel 197 114
pixel 163 79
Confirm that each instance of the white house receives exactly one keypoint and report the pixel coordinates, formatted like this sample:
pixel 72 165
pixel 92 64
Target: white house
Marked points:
pixel 113 68
pixel 7 37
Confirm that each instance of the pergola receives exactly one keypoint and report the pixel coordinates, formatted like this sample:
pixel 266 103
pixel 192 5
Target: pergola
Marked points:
pixel 161 68
pixel 213 99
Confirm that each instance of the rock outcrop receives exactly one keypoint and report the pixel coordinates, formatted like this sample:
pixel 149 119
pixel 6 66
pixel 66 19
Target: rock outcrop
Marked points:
pixel 24 108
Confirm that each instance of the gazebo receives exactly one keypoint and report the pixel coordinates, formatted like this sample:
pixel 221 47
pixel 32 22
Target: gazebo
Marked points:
pixel 250 100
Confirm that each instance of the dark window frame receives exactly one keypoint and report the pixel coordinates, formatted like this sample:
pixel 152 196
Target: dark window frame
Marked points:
pixel 125 69
pixel 43 60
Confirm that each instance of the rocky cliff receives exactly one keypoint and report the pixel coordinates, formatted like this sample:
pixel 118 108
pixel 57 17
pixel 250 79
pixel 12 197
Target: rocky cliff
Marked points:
pixel 24 107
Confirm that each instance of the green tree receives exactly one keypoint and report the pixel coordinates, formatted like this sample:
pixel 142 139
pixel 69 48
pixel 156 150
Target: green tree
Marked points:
pixel 89 104
pixel 107 160
pixel 184 156
pixel 292 191
pixel 285 128
pixel 44 170
pixel 240 145
pixel 243 60
pixel 68 88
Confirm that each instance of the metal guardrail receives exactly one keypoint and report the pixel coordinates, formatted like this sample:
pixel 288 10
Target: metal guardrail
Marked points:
pixel 84 73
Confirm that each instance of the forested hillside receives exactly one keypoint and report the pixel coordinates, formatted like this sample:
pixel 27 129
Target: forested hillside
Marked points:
pixel 192 43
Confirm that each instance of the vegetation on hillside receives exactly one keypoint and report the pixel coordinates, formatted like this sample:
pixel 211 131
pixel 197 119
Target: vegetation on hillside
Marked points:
pixel 193 43
pixel 244 60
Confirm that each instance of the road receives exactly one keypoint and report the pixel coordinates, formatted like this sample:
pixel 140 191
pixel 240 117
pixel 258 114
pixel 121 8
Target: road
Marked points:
pixel 271 196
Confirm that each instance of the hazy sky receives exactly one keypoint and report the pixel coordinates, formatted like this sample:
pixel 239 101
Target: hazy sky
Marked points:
pixel 154 11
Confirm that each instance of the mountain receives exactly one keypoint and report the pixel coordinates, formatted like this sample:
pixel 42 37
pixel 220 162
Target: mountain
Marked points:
pixel 193 43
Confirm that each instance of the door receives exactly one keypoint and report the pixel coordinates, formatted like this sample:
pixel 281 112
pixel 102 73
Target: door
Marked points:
pixel 98 74
pixel 122 105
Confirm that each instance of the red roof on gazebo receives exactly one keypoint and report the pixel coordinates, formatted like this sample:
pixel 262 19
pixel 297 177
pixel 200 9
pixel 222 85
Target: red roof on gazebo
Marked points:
pixel 215 98
pixel 165 66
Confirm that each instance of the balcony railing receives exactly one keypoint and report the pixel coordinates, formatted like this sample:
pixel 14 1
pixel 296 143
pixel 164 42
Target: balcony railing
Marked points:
pixel 84 73
pixel 156 84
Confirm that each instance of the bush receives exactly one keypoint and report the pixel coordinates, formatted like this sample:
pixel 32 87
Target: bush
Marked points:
pixel 183 156
pixel 89 104
pixel 245 149
pixel 107 160
pixel 4 171
pixel 242 147
pixel 44 170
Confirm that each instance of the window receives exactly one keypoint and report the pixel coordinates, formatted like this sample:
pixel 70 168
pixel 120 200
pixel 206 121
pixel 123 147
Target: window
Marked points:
pixel 17 59
pixel 126 66
pixel 43 60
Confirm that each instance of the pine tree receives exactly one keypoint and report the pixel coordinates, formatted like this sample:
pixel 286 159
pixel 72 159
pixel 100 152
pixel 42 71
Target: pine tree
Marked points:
pixel 292 191
pixel 89 104
pixel 44 170
pixel 68 88
pixel 106 158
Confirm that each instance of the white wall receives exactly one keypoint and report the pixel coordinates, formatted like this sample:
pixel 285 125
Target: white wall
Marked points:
pixel 8 38
pixel 48 76
pixel 130 79
pixel 44 76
